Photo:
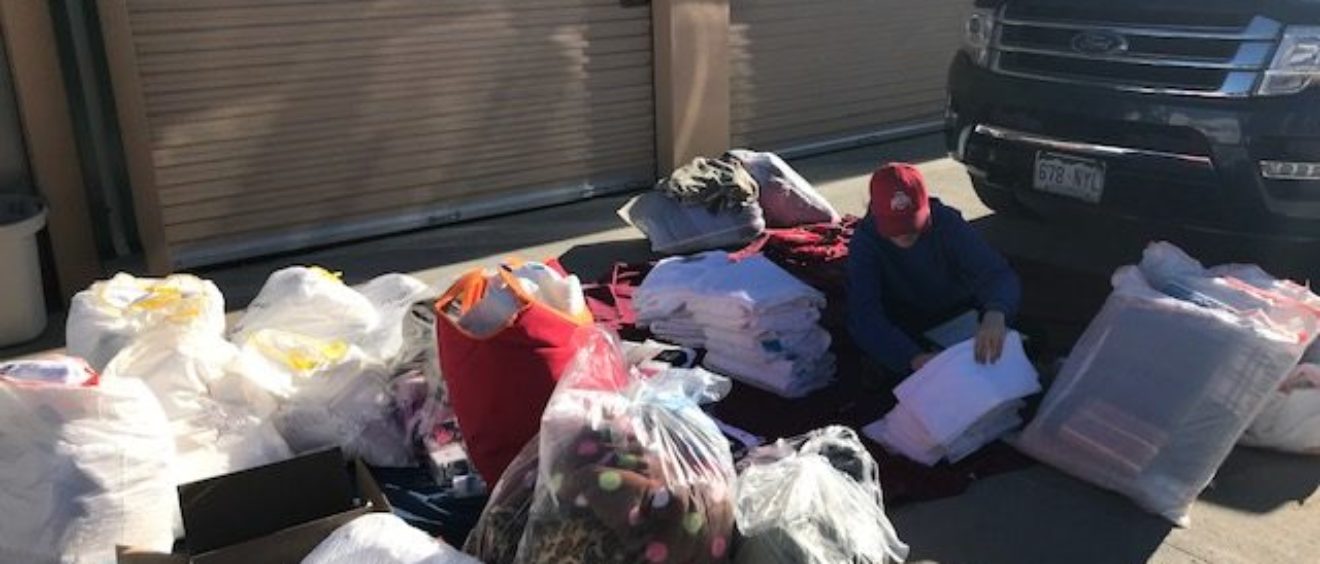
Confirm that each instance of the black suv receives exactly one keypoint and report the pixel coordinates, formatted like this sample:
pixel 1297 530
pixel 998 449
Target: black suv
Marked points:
pixel 1200 113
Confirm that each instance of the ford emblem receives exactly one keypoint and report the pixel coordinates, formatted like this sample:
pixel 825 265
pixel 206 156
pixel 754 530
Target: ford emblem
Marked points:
pixel 1095 42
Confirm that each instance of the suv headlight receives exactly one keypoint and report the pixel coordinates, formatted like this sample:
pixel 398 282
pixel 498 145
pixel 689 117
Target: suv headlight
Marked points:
pixel 977 35
pixel 1297 64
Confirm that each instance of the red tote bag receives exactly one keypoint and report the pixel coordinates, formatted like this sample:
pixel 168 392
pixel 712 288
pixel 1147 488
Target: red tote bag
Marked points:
pixel 499 384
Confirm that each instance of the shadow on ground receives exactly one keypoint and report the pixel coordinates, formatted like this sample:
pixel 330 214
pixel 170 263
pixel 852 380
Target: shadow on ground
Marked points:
pixel 591 261
pixel 1036 515
pixel 1260 481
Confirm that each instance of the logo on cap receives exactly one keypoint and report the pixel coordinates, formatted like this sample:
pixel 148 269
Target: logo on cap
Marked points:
pixel 901 202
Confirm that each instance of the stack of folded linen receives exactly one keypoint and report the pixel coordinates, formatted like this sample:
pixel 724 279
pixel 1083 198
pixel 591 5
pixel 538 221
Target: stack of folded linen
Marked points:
pixel 953 406
pixel 758 323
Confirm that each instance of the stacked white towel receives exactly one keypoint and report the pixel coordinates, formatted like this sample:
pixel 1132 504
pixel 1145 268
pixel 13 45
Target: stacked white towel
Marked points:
pixel 953 406
pixel 758 323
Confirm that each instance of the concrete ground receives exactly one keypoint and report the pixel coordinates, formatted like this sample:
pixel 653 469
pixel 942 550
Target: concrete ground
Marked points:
pixel 1260 508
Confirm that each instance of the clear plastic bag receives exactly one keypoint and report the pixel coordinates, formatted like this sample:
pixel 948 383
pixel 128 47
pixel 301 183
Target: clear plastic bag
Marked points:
pixel 108 316
pixel 814 499
pixel 219 416
pixel 1157 391
pixel 495 538
pixel 382 538
pixel 631 469
pixel 81 466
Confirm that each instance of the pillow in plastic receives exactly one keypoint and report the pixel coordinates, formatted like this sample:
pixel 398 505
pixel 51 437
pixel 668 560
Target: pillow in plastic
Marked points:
pixel 81 462
pixel 631 470
pixel 675 229
pixel 382 538
pixel 1157 391
pixel 109 315
pixel 814 499
pixel 787 199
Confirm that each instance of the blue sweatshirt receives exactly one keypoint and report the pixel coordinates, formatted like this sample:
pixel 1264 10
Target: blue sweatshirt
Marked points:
pixel 892 291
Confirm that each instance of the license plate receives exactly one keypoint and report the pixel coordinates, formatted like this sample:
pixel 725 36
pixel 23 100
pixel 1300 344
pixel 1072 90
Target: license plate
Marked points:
pixel 1074 177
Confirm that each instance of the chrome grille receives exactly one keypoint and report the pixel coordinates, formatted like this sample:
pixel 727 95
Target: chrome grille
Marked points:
pixel 1210 54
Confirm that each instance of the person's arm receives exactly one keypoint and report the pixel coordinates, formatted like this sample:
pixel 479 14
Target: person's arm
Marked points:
pixel 993 282
pixel 870 327
pixel 996 287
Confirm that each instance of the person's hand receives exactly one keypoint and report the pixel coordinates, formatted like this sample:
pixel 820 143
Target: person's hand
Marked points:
pixel 990 337
pixel 920 360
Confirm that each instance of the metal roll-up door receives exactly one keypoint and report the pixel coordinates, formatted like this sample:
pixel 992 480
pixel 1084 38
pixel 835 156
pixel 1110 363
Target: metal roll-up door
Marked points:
pixel 254 126
pixel 810 72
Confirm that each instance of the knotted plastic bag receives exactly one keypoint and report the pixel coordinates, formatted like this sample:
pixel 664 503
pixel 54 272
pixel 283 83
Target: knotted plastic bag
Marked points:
pixel 814 499
pixel 108 316
pixel 631 469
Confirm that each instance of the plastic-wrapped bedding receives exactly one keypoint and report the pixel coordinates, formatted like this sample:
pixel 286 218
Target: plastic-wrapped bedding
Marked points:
pixel 1158 389
pixel 814 499
pixel 787 199
pixel 674 228
pixel 631 469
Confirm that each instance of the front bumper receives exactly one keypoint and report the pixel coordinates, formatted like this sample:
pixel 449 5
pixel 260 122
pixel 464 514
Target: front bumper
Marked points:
pixel 1186 161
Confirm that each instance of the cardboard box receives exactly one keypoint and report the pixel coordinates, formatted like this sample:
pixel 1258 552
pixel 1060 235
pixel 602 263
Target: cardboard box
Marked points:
pixel 274 514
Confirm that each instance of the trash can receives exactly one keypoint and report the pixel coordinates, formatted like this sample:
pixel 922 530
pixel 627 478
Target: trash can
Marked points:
pixel 22 299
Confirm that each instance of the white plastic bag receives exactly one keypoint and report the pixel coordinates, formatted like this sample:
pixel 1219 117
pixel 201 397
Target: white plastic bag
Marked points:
pixel 314 302
pixel 219 416
pixel 1290 421
pixel 84 466
pixel 631 467
pixel 1157 391
pixel 787 199
pixel 111 314
pixel 814 499
pixel 330 394
pixel 382 538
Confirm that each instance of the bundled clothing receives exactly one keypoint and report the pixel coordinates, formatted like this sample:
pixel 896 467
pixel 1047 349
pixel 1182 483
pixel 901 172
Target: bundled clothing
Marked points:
pixel 954 406
pixel 716 184
pixel 757 322
pixel 896 293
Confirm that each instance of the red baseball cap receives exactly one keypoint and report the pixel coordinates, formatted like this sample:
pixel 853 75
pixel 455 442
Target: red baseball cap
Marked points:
pixel 899 202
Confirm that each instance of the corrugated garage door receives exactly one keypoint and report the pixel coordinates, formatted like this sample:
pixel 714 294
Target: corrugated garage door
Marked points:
pixel 804 72
pixel 254 126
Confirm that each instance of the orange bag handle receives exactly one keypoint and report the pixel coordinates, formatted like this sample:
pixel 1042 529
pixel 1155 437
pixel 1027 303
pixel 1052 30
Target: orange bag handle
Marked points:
pixel 472 286
pixel 468 289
